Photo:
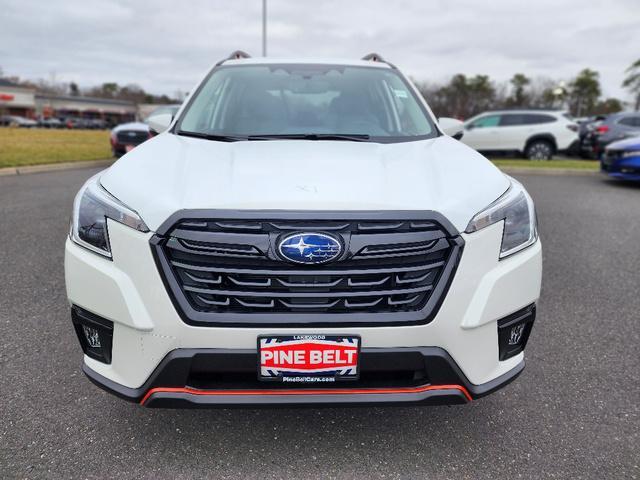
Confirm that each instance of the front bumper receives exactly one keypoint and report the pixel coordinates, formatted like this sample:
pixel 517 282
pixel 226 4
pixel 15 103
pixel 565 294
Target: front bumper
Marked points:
pixel 623 169
pixel 148 330
pixel 167 386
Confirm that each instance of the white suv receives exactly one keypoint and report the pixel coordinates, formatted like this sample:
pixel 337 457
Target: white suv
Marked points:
pixel 303 232
pixel 536 134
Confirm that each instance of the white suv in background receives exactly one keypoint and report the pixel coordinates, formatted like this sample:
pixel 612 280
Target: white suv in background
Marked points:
pixel 536 134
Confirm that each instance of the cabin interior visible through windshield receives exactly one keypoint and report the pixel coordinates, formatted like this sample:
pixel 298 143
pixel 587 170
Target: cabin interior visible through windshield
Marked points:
pixel 306 99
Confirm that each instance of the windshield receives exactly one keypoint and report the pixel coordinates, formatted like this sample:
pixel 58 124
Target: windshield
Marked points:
pixel 306 101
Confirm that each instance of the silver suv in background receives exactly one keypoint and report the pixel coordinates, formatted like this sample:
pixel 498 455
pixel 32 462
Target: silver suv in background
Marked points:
pixel 536 134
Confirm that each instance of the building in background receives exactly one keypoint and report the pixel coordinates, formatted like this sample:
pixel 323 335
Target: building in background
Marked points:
pixel 28 102
pixel 63 106
pixel 16 99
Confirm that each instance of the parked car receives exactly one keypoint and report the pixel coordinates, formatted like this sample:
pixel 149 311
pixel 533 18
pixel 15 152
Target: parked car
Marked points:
pixel 97 124
pixel 302 224
pixel 586 126
pixel 616 126
pixel 77 123
pixel 536 134
pixel 127 136
pixel 51 122
pixel 621 159
pixel 17 121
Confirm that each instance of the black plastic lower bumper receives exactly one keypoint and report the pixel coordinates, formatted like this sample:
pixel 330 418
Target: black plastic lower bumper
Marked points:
pixel 208 378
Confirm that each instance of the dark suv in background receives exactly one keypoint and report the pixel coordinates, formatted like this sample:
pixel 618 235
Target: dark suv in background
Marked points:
pixel 617 126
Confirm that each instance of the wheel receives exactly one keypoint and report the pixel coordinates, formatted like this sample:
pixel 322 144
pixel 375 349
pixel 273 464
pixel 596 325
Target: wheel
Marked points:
pixel 539 150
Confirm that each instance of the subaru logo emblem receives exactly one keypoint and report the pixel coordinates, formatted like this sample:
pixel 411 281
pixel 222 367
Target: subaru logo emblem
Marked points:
pixel 309 248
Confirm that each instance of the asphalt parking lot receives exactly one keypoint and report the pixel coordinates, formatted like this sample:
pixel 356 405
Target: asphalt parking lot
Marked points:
pixel 572 414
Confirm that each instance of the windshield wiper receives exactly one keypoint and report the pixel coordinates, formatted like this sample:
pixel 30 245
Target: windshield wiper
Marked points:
pixel 211 136
pixel 312 136
pixel 284 136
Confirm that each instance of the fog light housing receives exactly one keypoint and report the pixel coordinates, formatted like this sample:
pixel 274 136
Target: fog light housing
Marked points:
pixel 514 331
pixel 94 333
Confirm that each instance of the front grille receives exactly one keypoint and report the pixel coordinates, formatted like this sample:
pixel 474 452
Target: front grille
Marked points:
pixel 227 271
pixel 132 137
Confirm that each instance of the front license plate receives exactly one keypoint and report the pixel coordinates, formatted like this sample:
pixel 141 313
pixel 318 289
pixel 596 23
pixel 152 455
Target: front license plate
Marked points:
pixel 308 358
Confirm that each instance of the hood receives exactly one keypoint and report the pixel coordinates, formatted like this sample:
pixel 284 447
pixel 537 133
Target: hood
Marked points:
pixel 628 143
pixel 132 126
pixel 170 173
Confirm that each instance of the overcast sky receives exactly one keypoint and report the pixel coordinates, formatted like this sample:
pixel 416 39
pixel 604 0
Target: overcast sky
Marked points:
pixel 166 45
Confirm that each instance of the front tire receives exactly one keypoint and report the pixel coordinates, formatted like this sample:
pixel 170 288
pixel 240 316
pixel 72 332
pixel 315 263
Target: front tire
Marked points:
pixel 539 150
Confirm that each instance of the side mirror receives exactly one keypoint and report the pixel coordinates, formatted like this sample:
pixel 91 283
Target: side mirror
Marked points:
pixel 452 127
pixel 159 123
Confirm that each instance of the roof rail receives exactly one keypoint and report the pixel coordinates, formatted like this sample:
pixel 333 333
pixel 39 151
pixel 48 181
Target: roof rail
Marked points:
pixel 376 57
pixel 234 56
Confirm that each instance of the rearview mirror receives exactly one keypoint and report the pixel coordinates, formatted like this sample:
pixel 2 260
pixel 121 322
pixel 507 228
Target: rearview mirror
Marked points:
pixel 452 127
pixel 160 122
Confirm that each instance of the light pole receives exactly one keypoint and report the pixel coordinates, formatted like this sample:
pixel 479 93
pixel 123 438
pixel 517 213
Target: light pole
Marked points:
pixel 264 28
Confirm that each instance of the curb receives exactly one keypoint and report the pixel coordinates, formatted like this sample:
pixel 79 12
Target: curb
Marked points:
pixel 548 171
pixel 54 167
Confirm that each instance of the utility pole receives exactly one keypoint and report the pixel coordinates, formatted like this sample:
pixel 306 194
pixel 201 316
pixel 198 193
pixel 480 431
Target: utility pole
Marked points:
pixel 264 28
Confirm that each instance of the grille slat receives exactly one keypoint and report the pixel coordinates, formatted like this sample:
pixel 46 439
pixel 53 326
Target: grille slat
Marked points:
pixel 269 304
pixel 379 226
pixel 216 280
pixel 373 283
pixel 275 294
pixel 308 284
pixel 218 303
pixel 220 266
pixel 422 278
pixel 405 301
pixel 410 249
pixel 249 283
pixel 349 304
pixel 309 226
pixel 309 306
pixel 258 271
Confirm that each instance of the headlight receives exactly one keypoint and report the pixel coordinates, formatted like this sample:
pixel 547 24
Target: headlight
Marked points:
pixel 91 208
pixel 630 153
pixel 516 208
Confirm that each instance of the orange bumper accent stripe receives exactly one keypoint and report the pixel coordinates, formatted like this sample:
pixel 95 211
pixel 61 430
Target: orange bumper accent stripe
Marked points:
pixel 293 392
